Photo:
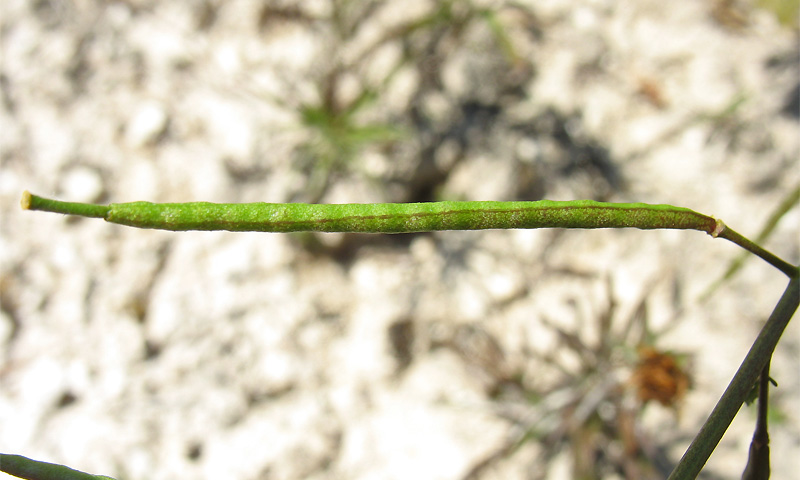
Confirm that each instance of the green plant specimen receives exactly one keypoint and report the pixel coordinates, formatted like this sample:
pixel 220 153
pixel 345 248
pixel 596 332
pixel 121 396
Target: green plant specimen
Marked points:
pixel 435 216
pixel 402 217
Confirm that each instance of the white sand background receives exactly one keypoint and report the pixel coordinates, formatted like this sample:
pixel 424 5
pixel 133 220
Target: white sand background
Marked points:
pixel 156 355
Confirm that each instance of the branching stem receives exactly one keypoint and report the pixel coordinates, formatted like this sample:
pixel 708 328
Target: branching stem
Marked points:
pixel 757 358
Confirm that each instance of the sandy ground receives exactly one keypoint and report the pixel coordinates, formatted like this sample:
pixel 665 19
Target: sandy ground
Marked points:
pixel 156 355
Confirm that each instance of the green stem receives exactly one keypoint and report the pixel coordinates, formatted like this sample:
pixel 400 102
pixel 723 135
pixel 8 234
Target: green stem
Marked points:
pixel 28 469
pixel 787 204
pixel 721 417
pixel 790 270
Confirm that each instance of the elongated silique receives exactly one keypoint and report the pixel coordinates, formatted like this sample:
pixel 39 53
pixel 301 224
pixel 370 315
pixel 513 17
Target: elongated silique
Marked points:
pixel 402 217
pixel 386 217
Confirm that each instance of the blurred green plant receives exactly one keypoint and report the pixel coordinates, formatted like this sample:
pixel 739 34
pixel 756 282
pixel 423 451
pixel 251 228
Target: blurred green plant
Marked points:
pixel 341 128
pixel 338 135
pixel 786 11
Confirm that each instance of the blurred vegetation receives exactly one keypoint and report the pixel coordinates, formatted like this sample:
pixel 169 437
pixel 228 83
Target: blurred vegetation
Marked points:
pixel 787 11
pixel 590 409
pixel 350 115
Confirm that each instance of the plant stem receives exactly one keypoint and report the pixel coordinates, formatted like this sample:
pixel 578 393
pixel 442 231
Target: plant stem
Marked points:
pixel 28 469
pixel 729 234
pixel 721 417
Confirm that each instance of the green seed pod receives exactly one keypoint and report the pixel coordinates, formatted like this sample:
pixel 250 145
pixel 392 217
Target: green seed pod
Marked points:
pixel 402 217
pixel 385 217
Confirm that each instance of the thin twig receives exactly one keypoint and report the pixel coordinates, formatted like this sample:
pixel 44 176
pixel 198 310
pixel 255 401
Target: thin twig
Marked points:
pixel 729 234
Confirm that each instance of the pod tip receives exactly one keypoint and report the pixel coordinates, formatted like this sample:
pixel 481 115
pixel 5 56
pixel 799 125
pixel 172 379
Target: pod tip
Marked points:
pixel 25 202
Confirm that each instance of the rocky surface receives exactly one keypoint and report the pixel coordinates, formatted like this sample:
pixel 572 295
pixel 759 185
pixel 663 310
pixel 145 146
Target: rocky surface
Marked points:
pixel 155 355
